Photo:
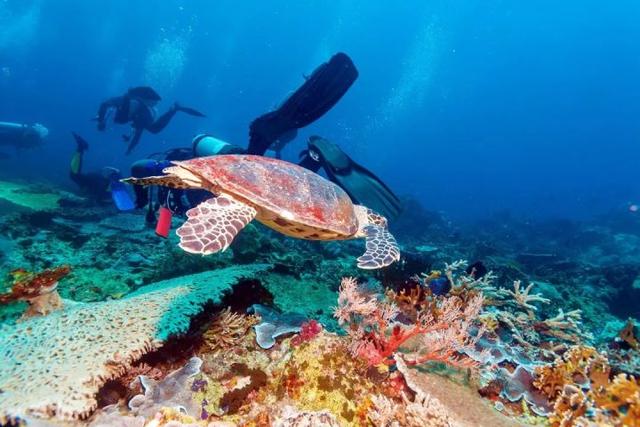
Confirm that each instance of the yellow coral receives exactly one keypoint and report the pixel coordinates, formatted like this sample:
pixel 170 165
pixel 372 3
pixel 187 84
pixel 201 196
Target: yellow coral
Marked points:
pixel 322 376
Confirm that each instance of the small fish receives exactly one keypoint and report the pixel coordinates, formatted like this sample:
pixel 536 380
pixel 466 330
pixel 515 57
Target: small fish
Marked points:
pixel 634 208
pixel 440 286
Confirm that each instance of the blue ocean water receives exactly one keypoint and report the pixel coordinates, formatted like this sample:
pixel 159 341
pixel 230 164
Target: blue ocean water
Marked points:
pixel 471 107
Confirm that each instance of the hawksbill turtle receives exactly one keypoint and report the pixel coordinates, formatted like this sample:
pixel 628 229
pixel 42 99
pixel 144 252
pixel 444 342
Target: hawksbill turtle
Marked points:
pixel 283 196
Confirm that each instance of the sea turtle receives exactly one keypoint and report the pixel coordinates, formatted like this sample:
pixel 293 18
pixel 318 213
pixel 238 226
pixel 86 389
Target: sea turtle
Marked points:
pixel 283 196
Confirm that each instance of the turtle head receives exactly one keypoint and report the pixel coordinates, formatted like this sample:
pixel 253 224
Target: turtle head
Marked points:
pixel 367 217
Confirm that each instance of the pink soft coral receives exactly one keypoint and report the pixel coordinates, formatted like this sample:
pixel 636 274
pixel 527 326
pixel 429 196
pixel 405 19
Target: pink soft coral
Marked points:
pixel 376 335
pixel 308 331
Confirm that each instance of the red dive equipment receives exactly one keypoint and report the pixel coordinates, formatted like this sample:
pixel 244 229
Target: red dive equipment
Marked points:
pixel 164 222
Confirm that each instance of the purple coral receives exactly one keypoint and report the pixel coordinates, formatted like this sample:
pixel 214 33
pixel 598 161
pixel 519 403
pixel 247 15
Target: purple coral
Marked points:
pixel 204 415
pixel 198 385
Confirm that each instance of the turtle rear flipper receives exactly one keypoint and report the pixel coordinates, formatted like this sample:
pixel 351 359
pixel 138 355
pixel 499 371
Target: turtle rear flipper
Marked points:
pixel 212 225
pixel 382 248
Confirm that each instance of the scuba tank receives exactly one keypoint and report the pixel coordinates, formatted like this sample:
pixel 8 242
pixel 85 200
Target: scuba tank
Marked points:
pixel 206 145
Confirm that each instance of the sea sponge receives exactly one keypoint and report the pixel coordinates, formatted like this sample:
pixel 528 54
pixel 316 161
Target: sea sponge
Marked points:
pixel 53 366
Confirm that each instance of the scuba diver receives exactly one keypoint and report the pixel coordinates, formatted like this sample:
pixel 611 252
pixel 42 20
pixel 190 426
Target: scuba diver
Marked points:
pixel 99 186
pixel 22 136
pixel 317 95
pixel 137 107
pixel 362 186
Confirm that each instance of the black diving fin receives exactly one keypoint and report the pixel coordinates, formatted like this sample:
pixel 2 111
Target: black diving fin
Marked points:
pixel 362 186
pixel 317 95
pixel 190 111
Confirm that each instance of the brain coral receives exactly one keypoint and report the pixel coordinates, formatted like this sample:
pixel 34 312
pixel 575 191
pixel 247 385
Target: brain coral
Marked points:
pixel 53 366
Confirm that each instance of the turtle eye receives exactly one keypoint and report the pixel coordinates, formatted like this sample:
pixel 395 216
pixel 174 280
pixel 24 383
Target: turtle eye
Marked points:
pixel 314 155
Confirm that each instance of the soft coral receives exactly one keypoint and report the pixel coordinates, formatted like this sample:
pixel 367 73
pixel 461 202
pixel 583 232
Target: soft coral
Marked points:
pixel 376 335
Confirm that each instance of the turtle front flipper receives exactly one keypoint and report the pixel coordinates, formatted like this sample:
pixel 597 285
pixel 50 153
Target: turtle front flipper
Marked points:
pixel 170 181
pixel 212 225
pixel 176 177
pixel 382 248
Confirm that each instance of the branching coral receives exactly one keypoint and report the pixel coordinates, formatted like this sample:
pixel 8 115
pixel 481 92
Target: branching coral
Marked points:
pixel 227 329
pixel 520 318
pixel 376 334
pixel 524 298
pixel 39 290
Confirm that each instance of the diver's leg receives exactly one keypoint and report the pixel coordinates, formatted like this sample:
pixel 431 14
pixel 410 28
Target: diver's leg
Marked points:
pixel 162 121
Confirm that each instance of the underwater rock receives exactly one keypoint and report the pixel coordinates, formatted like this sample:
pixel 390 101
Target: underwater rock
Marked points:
pixel 53 366
pixel 450 404
pixel 172 392
pixel 273 324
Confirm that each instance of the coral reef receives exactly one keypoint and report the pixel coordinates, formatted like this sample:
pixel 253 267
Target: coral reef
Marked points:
pixel 58 374
pixel 39 290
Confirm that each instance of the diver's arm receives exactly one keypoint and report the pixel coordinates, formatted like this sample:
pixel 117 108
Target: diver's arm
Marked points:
pixel 104 107
pixel 135 139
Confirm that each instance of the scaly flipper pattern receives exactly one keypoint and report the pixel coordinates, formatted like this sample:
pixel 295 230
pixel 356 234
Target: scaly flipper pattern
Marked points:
pixel 212 225
pixel 382 248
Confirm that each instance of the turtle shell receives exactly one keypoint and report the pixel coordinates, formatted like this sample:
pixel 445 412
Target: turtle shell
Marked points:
pixel 291 194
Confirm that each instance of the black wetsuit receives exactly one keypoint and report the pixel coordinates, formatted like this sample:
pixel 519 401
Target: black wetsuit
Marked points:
pixel 134 110
pixel 93 184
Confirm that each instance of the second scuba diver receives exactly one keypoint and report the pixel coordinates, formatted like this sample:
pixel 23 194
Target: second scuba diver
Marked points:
pixel 98 186
pixel 22 136
pixel 137 107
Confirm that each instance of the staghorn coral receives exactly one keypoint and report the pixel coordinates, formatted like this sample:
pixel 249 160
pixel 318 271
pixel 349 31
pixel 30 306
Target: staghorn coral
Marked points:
pixel 39 290
pixel 524 298
pixel 227 329
pixel 519 316
pixel 376 335
pixel 84 345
